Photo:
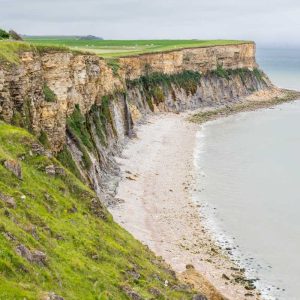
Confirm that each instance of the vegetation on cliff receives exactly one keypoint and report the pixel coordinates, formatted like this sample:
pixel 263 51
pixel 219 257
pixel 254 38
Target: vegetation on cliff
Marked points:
pixel 79 130
pixel 10 51
pixel 57 237
pixel 242 72
pixel 155 86
pixel 96 130
pixel 49 94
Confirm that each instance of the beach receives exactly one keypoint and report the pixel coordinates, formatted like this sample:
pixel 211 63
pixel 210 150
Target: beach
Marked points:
pixel 156 206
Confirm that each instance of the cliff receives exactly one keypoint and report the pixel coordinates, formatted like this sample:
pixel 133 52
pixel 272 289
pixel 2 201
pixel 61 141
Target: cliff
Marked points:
pixel 194 59
pixel 84 79
pixel 83 107
pixel 56 234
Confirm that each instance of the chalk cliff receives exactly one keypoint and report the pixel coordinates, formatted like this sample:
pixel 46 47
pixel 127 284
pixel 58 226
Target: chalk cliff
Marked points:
pixel 95 103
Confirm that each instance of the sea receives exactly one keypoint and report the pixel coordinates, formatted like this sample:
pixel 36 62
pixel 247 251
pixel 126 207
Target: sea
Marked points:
pixel 248 183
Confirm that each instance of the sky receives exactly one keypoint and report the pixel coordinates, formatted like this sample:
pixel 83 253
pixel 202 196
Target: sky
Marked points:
pixel 267 22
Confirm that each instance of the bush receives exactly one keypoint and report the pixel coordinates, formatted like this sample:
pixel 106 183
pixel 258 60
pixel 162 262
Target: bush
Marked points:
pixel 3 34
pixel 221 72
pixel 114 65
pixel 43 138
pixel 49 94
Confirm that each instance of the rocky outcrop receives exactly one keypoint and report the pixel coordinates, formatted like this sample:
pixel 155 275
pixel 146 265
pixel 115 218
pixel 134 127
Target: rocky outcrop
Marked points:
pixel 194 59
pixel 13 166
pixel 34 256
pixel 8 200
pixel 84 107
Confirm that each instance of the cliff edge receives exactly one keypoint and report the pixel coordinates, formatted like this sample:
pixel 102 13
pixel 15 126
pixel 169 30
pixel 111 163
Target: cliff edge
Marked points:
pixel 84 107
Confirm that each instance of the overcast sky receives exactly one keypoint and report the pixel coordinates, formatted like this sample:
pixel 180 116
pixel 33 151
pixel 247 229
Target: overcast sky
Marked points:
pixel 265 21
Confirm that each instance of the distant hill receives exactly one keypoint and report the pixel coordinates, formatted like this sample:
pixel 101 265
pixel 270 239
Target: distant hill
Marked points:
pixel 90 37
pixel 64 37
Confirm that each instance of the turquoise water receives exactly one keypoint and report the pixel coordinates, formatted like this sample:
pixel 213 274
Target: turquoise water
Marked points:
pixel 249 177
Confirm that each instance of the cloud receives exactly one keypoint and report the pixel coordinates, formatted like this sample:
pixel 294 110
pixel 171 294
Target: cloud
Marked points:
pixel 265 21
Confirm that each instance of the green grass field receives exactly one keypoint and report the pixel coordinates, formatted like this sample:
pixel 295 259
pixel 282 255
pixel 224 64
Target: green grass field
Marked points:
pixel 9 50
pixel 117 48
pixel 88 256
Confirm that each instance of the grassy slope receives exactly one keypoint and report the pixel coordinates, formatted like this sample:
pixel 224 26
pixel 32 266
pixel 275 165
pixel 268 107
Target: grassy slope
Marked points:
pixel 10 50
pixel 88 257
pixel 117 48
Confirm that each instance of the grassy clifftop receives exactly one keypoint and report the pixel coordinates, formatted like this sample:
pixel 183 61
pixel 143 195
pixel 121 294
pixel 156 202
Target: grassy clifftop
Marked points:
pixel 108 49
pixel 55 235
pixel 117 48
pixel 10 50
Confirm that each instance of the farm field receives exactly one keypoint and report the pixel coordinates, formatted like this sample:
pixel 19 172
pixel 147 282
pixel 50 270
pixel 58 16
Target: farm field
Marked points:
pixel 117 48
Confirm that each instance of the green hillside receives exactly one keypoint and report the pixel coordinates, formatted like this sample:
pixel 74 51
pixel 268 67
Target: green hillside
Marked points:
pixel 56 236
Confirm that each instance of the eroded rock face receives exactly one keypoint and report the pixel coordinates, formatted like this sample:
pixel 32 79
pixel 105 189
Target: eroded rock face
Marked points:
pixel 8 200
pixel 194 59
pixel 54 170
pixel 13 166
pixel 34 256
pixel 131 293
pixel 52 296
pixel 81 83
pixel 84 79
pixel 199 297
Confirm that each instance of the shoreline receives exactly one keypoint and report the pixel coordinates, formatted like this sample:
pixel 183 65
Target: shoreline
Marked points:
pixel 156 203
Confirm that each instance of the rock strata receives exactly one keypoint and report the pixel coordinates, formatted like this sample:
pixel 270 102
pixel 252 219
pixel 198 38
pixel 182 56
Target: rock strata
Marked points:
pixel 84 79
pixel 95 109
pixel 10 201
pixel 13 166
pixel 34 256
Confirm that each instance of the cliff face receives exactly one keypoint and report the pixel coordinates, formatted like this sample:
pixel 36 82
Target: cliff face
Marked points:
pixel 95 104
pixel 75 79
pixel 194 59
pixel 84 79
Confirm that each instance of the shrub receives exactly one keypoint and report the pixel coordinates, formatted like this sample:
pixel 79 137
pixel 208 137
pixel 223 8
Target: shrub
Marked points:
pixel 221 72
pixel 49 94
pixel 43 138
pixel 3 34
pixel 114 65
